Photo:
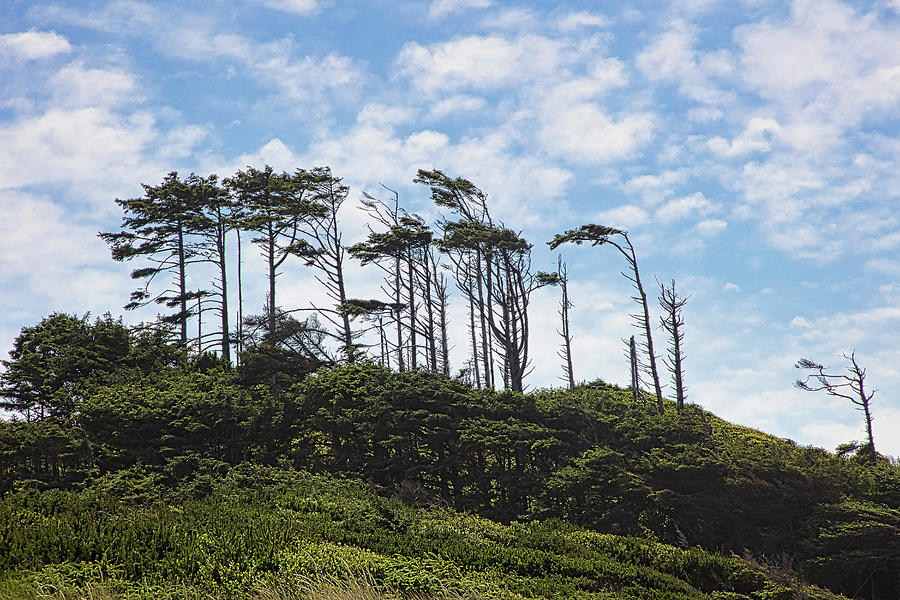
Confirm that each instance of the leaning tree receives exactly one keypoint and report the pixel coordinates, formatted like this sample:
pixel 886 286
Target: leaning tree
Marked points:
pixel 599 235
pixel 850 387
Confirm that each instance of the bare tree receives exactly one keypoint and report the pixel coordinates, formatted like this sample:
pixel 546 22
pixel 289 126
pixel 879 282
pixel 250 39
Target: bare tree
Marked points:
pixel 635 368
pixel 673 321
pixel 565 351
pixel 851 387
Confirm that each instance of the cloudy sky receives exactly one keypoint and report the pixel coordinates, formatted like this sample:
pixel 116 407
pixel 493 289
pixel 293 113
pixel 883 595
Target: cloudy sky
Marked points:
pixel 749 147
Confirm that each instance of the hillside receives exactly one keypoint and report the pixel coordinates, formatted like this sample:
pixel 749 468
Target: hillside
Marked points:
pixel 192 481
pixel 263 530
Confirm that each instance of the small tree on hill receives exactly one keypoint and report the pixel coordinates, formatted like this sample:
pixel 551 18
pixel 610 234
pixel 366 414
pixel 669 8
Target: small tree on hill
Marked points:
pixel 851 387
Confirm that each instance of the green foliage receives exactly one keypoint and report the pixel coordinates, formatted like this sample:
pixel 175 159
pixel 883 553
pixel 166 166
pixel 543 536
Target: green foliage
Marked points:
pixel 591 457
pixel 54 364
pixel 262 528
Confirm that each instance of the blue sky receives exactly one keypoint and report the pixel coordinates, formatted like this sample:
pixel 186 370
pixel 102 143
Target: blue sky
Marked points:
pixel 750 148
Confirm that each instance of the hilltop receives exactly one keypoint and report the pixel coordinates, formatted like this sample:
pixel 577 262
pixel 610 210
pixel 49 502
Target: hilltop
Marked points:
pixel 194 479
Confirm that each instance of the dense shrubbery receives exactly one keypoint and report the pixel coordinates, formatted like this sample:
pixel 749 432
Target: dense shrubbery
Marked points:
pixel 590 457
pixel 261 527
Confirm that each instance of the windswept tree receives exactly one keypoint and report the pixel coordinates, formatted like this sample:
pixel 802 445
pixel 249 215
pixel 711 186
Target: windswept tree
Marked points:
pixel 214 216
pixel 157 227
pixel 273 205
pixel 493 269
pixel 599 235
pixel 469 260
pixel 850 386
pixel 320 246
pixel 673 322
pixel 405 253
pixel 377 312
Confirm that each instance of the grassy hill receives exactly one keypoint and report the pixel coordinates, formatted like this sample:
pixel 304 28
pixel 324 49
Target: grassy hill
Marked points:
pixel 275 534
pixel 192 483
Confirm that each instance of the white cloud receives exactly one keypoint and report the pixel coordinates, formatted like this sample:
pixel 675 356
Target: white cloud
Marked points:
pixel 709 228
pixel 585 133
pixel 653 189
pixel 455 104
pixel 682 208
pixel 624 216
pixel 480 62
pixel 77 86
pixel 826 65
pixel 297 78
pixel 512 19
pixel 57 262
pixel 800 322
pixel 778 186
pixel 33 45
pixel 442 8
pixel 72 145
pixel 299 7
pixel 671 56
pixel 705 114
pixel 756 137
pixel 382 114
pixel 731 287
pixel 579 20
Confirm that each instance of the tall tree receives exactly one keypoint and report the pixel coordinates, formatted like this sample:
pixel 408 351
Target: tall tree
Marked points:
pixel 320 246
pixel 412 278
pixel 214 216
pixel 673 322
pixel 509 283
pixel 599 235
pixel 273 205
pixel 851 386
pixel 635 368
pixel 565 351
pixel 473 278
pixel 385 251
pixel 157 227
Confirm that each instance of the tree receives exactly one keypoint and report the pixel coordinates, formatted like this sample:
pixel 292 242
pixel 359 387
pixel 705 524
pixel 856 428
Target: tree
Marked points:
pixel 673 321
pixel 273 205
pixel 53 365
pixel 156 226
pixel 214 215
pixel 297 348
pixel 405 253
pixel 374 310
pixel 599 235
pixel 565 351
pixel 509 281
pixel 850 387
pixel 635 370
pixel 492 265
pixel 473 277
pixel 322 249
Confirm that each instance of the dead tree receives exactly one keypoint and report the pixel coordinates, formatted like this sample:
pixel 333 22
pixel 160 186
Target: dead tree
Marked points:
pixel 673 322
pixel 850 387
pixel 635 366
pixel 565 351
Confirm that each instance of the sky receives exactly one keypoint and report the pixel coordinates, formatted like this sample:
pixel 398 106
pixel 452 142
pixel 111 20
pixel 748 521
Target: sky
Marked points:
pixel 749 147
